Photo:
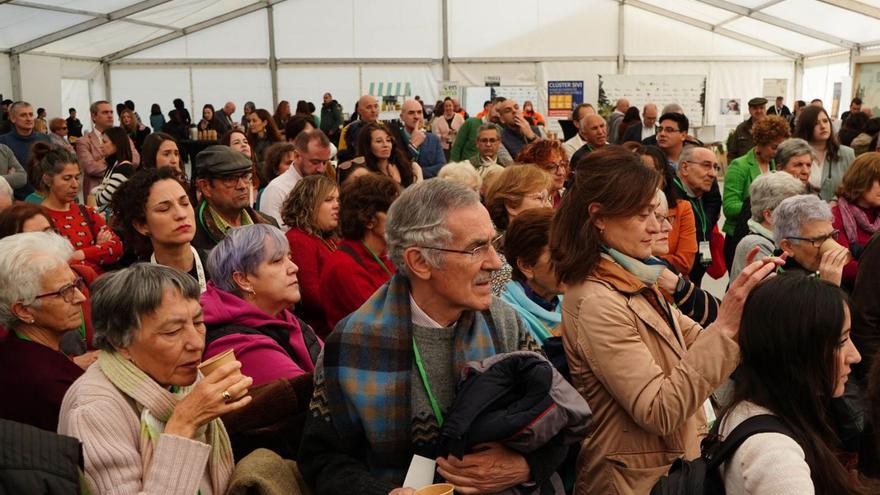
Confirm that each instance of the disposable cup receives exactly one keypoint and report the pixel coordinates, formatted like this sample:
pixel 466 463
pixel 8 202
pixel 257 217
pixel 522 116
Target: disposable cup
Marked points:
pixel 438 489
pixel 828 245
pixel 218 360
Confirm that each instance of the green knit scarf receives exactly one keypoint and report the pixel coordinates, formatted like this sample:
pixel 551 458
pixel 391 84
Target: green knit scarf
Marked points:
pixel 156 405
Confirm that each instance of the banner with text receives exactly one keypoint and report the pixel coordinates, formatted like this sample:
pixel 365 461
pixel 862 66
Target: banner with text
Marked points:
pixel 563 96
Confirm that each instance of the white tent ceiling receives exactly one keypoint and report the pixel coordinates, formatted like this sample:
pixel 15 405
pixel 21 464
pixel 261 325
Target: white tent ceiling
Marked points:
pixel 112 29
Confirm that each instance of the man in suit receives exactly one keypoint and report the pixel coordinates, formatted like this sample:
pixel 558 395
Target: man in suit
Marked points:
pixel 88 149
pixel 223 122
pixel 779 109
pixel 647 129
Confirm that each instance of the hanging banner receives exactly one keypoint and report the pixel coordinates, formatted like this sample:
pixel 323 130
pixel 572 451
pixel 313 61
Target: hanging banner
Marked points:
pixel 563 96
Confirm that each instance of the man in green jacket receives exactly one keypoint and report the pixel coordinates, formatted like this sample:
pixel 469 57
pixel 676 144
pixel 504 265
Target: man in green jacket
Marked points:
pixel 331 118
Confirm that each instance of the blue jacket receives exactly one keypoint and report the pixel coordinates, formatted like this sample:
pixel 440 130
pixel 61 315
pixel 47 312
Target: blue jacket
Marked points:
pixel 429 155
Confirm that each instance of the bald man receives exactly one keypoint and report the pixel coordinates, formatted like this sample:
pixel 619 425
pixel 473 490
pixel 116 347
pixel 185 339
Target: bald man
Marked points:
pixel 423 147
pixel 648 127
pixel 616 118
pixel 595 135
pixel 223 122
pixel 368 111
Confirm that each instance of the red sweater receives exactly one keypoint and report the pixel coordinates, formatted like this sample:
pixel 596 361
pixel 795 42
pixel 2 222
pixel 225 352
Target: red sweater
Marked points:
pixel 346 282
pixel 851 268
pixel 309 253
pixel 74 226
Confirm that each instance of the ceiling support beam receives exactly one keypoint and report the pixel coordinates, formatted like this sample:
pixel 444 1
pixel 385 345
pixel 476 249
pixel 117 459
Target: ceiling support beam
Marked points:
pixel 273 61
pixel 15 69
pixel 55 8
pixel 85 26
pixel 778 22
pixel 855 6
pixel 445 60
pixel 709 27
pixel 621 61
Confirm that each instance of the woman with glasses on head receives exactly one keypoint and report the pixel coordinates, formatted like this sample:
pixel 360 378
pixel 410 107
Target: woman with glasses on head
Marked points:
pixel 802 228
pixel 549 156
pixel 516 189
pixel 831 159
pixel 312 213
pixel 41 300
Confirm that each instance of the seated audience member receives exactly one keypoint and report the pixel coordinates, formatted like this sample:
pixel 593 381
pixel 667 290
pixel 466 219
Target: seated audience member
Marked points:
pixel 650 411
pixel 136 131
pixel 224 180
pixel 312 213
pixel 262 132
pixel 534 291
pixel 24 217
pixel 465 145
pixel 253 283
pixel 767 134
pixel 463 173
pixel 802 227
pixel 311 152
pixel 682 238
pixel 796 355
pixel 360 264
pixel 237 139
pixel 207 122
pixel 366 111
pixel 381 155
pixel 158 222
pixel 549 156
pixel 516 131
pixel 58 133
pixel 831 158
pixel 41 300
pixel 147 419
pixel 488 157
pixel 577 141
pixel 276 161
pixel 7 196
pixel 516 189
pixel 160 150
pixel 22 137
pixel 766 192
pixel 446 125
pixel 96 246
pixel 594 134
pixel 532 115
pixel 10 168
pixel 423 147
pixel 119 167
pixel 438 305
pixel 857 212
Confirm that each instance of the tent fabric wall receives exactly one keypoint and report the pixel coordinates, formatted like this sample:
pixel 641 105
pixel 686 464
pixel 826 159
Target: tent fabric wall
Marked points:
pixel 5 77
pixel 45 72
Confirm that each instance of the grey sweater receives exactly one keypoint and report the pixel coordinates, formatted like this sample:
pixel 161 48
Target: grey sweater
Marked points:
pixel 10 169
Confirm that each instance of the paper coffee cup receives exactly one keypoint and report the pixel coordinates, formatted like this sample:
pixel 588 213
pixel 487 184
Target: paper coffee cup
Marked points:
pixel 208 367
pixel 829 245
pixel 438 489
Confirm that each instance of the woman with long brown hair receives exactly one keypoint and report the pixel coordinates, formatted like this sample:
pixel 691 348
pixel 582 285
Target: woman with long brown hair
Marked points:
pixel 831 159
pixel 262 132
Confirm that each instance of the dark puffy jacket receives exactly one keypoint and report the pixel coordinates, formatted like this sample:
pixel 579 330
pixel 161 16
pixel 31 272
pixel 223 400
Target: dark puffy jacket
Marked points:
pixel 518 399
pixel 38 461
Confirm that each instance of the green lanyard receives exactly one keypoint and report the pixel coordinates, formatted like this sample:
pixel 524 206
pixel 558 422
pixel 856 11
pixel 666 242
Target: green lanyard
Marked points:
pixel 434 406
pixel 377 259
pixel 697 204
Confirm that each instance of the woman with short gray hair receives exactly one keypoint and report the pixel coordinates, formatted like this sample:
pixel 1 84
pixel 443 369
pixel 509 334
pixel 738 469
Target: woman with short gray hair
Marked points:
pixel 766 192
pixel 247 306
pixel 40 301
pixel 795 157
pixel 802 229
pixel 148 420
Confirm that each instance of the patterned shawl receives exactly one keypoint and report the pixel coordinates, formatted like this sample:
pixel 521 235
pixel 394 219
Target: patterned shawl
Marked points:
pixel 156 405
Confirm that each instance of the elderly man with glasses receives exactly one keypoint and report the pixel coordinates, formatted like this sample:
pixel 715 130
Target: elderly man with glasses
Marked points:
pixel 386 378
pixel 224 179
pixel 487 158
pixel 697 172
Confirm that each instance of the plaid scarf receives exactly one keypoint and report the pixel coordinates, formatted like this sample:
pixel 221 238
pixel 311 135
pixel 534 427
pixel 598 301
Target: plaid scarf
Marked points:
pixel 156 406
pixel 368 365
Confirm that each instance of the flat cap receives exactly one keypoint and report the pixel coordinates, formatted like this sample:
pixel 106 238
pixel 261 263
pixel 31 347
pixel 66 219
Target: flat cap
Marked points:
pixel 757 102
pixel 222 160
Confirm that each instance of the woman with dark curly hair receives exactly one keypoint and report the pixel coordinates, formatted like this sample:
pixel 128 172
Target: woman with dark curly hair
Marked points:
pixel 382 156
pixel 767 134
pixel 360 265
pixel 549 156
pixel 311 210
pixel 158 221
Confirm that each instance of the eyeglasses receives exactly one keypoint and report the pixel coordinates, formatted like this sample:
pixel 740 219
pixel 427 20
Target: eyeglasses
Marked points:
pixel 818 240
pixel 232 181
pixel 667 130
pixel 554 167
pixel 707 165
pixel 67 292
pixel 664 218
pixel 480 252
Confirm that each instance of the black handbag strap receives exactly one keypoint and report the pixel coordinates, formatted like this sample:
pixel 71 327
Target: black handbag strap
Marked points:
pixel 763 423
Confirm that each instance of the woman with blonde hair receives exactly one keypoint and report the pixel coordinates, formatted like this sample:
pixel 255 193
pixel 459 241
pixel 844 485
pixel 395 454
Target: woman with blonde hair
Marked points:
pixel 311 210
pixel 463 173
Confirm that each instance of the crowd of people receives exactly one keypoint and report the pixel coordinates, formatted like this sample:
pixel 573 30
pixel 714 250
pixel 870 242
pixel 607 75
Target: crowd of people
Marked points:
pixel 526 314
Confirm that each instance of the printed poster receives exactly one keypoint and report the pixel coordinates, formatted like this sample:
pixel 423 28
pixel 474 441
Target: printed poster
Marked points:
pixel 563 96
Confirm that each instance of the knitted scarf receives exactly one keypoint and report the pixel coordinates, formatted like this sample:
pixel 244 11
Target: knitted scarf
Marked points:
pixel 539 321
pixel 368 365
pixel 855 218
pixel 156 405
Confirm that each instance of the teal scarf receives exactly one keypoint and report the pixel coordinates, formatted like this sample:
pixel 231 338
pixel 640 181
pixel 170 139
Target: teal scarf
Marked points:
pixel 539 320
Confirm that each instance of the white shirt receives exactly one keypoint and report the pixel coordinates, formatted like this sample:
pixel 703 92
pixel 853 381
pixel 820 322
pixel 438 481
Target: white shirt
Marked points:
pixel 648 132
pixel 573 144
pixel 419 317
pixel 276 192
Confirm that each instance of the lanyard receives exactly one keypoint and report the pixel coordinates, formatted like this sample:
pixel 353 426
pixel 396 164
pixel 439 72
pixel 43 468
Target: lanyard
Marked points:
pixel 697 204
pixel 377 259
pixel 434 406
pixel 331 246
pixel 200 271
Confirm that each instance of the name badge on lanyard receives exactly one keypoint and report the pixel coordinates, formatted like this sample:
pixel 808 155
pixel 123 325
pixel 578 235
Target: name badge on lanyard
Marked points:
pixel 705 251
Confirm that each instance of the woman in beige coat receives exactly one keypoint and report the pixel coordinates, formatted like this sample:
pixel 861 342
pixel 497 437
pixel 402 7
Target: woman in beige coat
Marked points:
pixel 644 368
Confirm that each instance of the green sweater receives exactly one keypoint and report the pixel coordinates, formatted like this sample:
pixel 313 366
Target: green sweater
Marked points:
pixel 739 177
pixel 465 145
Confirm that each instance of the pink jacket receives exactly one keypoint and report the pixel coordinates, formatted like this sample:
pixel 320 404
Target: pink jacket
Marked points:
pixel 92 160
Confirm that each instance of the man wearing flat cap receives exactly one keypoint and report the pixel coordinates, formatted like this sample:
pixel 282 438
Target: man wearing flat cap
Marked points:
pixel 741 141
pixel 224 179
